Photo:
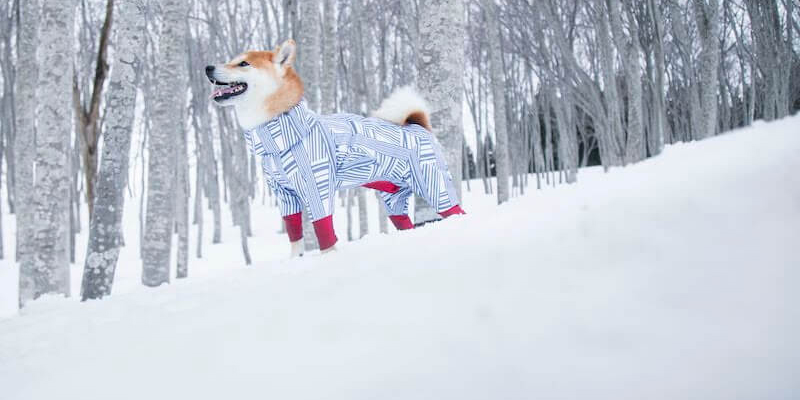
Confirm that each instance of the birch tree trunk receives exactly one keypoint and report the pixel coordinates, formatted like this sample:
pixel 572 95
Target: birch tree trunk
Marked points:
pixel 182 197
pixel 364 82
pixel 363 220
pixel 370 72
pixel 208 174
pixel 628 48
pixel 441 63
pixel 567 139
pixel 350 215
pixel 612 147
pixel 329 65
pixel 656 142
pixel 772 55
pixel 159 217
pixel 308 65
pixel 372 89
pixel 548 133
pixel 7 18
pixel 383 216
pixel 501 153
pixel 536 139
pixel 691 94
pixel 8 122
pixel 309 50
pixel 26 85
pixel 211 184
pixel 707 17
pixel 197 209
pixel 50 199
pixel 2 153
pixel 239 199
pixel 785 102
pixel 105 229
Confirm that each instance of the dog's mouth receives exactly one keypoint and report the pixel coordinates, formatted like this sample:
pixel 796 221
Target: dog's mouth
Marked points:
pixel 227 90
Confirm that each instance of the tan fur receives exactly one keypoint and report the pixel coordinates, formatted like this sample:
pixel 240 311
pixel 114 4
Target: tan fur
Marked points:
pixel 290 91
pixel 288 94
pixel 420 118
pixel 258 59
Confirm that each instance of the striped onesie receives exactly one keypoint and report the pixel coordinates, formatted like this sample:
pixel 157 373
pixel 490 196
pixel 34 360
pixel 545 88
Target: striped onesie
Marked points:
pixel 307 157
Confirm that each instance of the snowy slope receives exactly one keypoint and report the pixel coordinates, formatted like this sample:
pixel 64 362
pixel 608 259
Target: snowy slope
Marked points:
pixel 676 278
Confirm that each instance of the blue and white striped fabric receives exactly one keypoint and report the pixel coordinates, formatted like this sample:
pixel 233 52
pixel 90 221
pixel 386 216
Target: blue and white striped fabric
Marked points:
pixel 307 157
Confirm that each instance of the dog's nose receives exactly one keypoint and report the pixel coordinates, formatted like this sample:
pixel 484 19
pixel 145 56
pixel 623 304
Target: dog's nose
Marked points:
pixel 209 70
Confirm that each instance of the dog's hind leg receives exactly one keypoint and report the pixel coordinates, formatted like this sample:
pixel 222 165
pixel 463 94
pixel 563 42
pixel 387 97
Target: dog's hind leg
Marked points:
pixel 397 207
pixel 432 181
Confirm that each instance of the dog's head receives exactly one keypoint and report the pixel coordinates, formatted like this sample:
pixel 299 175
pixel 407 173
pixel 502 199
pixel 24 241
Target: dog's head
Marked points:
pixel 253 76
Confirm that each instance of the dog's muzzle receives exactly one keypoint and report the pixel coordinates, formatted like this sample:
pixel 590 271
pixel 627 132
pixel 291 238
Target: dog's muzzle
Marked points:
pixel 224 90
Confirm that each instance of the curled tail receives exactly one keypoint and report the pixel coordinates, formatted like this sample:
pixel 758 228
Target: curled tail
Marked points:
pixel 405 106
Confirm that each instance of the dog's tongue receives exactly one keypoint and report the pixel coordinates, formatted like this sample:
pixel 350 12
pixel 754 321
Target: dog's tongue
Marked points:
pixel 221 91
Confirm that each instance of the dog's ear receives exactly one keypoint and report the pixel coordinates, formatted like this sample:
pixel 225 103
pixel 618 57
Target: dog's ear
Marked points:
pixel 286 54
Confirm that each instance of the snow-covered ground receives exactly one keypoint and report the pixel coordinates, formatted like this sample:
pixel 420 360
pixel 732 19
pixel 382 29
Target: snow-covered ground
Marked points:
pixel 676 278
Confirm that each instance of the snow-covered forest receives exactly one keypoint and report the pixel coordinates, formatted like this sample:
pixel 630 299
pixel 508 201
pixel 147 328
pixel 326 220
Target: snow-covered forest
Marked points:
pixel 604 216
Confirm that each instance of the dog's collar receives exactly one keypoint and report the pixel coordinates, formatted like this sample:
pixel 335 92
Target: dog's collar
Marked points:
pixel 282 132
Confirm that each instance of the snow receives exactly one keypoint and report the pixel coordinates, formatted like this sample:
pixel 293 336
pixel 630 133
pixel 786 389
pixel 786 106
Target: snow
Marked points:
pixel 675 278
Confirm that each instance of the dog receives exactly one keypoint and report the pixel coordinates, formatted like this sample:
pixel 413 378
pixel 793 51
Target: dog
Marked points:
pixel 307 157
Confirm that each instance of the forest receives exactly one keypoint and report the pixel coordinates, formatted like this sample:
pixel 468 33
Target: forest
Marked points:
pixel 105 102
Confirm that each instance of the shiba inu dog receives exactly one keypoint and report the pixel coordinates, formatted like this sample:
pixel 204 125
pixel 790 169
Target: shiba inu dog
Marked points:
pixel 307 157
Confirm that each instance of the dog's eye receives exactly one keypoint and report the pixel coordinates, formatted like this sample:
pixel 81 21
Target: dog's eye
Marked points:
pixel 244 64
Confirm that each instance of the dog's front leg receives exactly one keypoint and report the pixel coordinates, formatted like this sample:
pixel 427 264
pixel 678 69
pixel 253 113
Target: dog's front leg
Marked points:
pixel 294 227
pixel 325 234
pixel 297 248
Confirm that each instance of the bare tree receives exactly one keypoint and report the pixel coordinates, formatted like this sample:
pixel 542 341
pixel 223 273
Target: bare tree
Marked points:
pixel 329 65
pixel 707 18
pixel 207 174
pixel 309 48
pixel 629 49
pixel 652 18
pixel 440 62
pixel 773 51
pixel 26 106
pixel 474 92
pixel 162 144
pixel 501 154
pixel 368 77
pixel 50 200
pixel 8 10
pixel 88 110
pixel 105 229
pixel 182 192
pixel 309 68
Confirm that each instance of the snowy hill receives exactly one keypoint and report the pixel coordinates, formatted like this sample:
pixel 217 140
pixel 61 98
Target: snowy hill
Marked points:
pixel 676 278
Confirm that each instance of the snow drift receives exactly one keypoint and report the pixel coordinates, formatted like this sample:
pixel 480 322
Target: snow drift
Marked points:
pixel 675 278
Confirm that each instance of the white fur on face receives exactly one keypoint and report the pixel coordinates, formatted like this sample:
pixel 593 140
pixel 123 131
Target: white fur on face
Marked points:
pixel 250 104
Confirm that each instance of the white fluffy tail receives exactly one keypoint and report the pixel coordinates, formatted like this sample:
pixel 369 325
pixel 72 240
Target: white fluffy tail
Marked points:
pixel 405 106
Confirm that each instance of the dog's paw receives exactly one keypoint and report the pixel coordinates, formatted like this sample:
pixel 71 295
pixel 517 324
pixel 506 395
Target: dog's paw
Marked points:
pixel 297 248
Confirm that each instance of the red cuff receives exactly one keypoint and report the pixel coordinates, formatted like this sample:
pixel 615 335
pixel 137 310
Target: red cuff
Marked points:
pixel 401 222
pixel 294 226
pixel 325 235
pixel 452 211
pixel 383 186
